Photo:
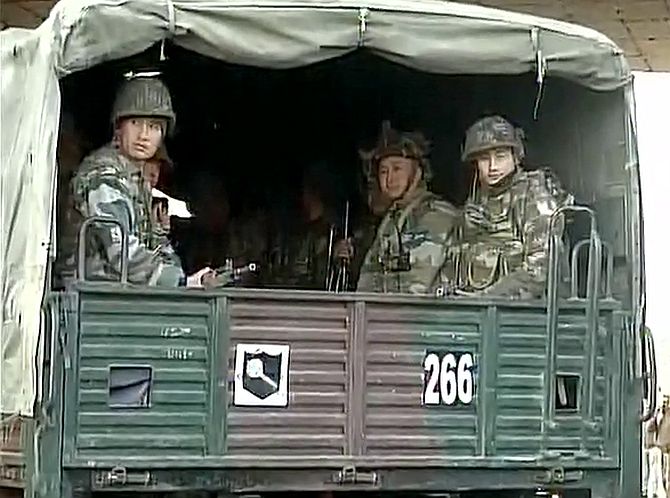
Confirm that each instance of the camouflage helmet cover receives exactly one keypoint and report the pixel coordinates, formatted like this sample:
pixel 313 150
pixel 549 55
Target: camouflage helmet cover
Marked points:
pixel 146 97
pixel 491 132
pixel 393 143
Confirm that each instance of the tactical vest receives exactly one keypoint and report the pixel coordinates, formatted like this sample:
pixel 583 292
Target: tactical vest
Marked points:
pixel 396 253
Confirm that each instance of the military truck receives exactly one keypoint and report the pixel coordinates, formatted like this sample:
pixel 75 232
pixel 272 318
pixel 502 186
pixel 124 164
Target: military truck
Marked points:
pixel 250 391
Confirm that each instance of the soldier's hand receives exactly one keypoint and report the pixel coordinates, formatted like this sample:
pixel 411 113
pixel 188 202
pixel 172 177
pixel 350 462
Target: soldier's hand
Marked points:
pixel 209 280
pixel 202 278
pixel 477 216
pixel 344 249
pixel 160 216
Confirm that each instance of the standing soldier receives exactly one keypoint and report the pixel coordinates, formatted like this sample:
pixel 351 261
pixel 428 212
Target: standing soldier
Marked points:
pixel 504 249
pixel 110 183
pixel 410 245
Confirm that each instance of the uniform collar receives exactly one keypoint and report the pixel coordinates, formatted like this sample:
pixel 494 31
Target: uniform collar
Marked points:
pixel 407 199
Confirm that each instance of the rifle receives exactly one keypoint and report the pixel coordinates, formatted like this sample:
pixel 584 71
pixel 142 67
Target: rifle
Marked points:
pixel 228 275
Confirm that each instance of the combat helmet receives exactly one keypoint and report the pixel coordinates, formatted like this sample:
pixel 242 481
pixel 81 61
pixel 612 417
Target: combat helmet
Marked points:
pixel 490 132
pixel 144 96
pixel 391 142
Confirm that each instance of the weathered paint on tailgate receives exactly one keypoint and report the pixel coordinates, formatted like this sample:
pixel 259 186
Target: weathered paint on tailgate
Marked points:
pixel 314 422
pixel 174 340
pixel 397 423
pixel 356 382
pixel 505 419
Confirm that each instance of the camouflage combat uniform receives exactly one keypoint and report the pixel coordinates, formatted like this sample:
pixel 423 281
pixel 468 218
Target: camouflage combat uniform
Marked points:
pixel 505 251
pixel 299 257
pixel 109 184
pixel 160 239
pixel 412 239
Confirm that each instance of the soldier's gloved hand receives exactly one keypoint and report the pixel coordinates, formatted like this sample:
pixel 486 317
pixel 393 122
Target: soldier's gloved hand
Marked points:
pixel 477 216
pixel 344 249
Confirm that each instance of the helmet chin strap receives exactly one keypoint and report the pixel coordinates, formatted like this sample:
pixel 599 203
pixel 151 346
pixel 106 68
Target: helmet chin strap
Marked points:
pixel 412 185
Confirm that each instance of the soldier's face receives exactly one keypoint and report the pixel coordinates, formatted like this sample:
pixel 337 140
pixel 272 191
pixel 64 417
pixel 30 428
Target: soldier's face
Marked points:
pixel 494 165
pixel 139 138
pixel 152 170
pixel 312 204
pixel 396 175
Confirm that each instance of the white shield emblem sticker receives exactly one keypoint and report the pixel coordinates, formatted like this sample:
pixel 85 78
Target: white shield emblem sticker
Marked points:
pixel 261 375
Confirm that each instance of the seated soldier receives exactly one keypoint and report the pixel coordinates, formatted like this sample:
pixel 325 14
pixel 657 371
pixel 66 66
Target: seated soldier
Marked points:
pixel 299 247
pixel 411 242
pixel 215 238
pixel 161 206
pixel 365 231
pixel 110 183
pixel 504 247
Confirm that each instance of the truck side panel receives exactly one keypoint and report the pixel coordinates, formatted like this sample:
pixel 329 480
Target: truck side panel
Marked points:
pixel 168 342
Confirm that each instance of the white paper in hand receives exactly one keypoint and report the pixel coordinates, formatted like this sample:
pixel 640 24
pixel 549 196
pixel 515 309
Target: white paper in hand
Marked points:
pixel 175 207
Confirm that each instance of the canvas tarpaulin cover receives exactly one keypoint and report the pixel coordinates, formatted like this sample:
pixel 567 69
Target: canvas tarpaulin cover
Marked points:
pixel 432 36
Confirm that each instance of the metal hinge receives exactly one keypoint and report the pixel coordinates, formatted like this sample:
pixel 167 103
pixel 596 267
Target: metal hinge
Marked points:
pixel 349 475
pixel 119 476
pixel 363 14
pixel 558 475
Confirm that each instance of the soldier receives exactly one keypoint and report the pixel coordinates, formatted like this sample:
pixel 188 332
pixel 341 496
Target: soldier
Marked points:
pixel 160 217
pixel 364 233
pixel 110 183
pixel 215 238
pixel 505 238
pixel 410 245
pixel 157 166
pixel 300 252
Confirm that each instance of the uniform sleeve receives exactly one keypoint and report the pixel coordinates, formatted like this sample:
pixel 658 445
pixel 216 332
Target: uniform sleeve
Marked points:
pixel 428 246
pixel 107 196
pixel 543 197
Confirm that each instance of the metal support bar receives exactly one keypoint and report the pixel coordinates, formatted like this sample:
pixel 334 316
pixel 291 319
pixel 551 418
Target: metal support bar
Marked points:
pixel 649 374
pixel 592 311
pixel 81 252
pixel 574 269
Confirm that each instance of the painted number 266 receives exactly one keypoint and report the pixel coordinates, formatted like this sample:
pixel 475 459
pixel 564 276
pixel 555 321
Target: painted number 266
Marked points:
pixel 448 379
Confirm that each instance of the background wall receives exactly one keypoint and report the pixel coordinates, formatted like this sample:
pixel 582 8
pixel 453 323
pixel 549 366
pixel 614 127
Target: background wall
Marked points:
pixel 652 93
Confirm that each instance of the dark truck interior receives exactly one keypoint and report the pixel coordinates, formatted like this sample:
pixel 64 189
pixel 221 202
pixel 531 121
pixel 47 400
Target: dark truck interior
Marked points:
pixel 245 134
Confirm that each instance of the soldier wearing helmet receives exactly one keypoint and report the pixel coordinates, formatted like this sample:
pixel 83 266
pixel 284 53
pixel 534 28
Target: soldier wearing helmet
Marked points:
pixel 412 238
pixel 503 249
pixel 110 183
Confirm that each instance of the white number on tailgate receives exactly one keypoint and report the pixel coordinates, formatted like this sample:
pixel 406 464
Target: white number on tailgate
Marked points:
pixel 448 378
